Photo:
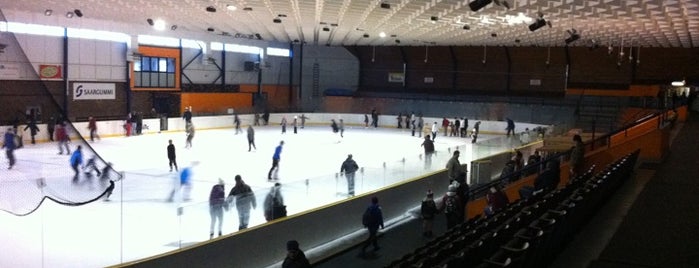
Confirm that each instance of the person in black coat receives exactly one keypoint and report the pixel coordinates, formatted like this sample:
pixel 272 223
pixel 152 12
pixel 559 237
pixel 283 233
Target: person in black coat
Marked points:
pixel 349 167
pixel 171 155
pixel 295 258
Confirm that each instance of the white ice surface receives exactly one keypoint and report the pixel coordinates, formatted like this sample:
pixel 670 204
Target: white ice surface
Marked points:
pixel 138 222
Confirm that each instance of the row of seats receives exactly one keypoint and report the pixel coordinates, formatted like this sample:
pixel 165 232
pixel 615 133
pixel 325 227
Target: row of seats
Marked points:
pixel 527 232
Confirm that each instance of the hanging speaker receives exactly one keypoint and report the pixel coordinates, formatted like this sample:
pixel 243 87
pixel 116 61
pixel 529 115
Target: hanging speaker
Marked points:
pixel 478 4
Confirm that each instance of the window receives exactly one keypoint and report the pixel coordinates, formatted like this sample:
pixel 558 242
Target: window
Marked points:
pixel 155 72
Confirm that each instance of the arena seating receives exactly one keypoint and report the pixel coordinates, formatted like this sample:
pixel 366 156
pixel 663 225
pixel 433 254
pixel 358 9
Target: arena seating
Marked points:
pixel 528 232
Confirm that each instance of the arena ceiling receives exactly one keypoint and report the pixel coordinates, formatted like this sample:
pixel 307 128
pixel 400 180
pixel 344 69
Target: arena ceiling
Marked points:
pixel 651 23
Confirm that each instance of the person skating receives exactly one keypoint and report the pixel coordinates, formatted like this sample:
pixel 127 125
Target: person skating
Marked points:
pixel 251 138
pixel 244 199
pixel 184 182
pixel 76 160
pixel 236 122
pixel 428 144
pixel 171 156
pixel 187 115
pixel 349 167
pixel 10 146
pixel 62 138
pixel 372 220
pixel 90 166
pixel 283 124
pixel 303 120
pixel 190 135
pixel 295 124
pixel 51 127
pixel 275 162
pixel 434 130
pixel 92 126
pixel 217 202
pixel 33 129
pixel 342 128
pixel 274 203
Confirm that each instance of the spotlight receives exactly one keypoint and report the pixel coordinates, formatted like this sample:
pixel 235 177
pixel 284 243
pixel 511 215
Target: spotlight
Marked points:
pixel 231 7
pixel 48 12
pixel 210 9
pixel 466 27
pixel 478 4
pixel 540 22
pixel 493 35
pixel 173 27
pixel 365 35
pixel 259 37
pixel 574 36
pixel 434 18
pixel 247 8
pixel 326 29
pixel 69 14
pixel 210 29
pixel 386 5
pixel 277 20
pixel 517 41
pixel 78 13
pixel 397 41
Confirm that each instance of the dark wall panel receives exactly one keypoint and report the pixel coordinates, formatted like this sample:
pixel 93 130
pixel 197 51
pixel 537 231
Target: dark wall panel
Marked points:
pixel 429 63
pixel 529 67
pixel 598 69
pixel 478 76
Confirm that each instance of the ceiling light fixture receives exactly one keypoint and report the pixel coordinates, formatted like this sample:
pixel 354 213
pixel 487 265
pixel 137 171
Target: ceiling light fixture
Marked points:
pixel 382 34
pixel 231 7
pixel 150 22
pixel 365 35
pixel 159 25
pixel 385 5
pixel 210 9
pixel 210 29
pixel 434 19
pixel 69 14
pixel 540 22
pixel 574 36
pixel 478 4
pixel 173 27
pixel 326 29
pixel 247 8
pixel 678 83
pixel 466 27
pixel 277 20
pixel 48 12
pixel 78 13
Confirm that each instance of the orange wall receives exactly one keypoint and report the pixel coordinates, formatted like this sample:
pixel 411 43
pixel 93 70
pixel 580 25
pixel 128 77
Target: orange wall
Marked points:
pixel 277 95
pixel 654 145
pixel 215 102
pixel 634 90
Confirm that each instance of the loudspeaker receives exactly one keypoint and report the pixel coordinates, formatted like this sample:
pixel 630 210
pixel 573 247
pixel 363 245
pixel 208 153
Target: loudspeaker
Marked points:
pixel 249 66
pixel 478 4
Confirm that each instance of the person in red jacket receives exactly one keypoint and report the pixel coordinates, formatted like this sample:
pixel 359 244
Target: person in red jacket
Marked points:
pixel 62 138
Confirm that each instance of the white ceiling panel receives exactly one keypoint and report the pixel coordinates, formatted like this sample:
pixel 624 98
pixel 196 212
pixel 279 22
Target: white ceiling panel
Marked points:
pixel 654 23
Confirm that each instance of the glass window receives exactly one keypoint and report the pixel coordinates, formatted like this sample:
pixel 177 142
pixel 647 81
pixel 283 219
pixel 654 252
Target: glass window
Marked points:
pixel 162 65
pixel 170 65
pixel 154 64
pixel 137 66
pixel 145 63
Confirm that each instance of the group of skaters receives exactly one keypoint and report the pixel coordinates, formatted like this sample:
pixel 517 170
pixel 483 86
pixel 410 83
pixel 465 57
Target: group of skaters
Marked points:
pixel 243 199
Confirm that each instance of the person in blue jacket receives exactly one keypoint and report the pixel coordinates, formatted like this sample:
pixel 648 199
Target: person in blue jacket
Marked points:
pixel 275 162
pixel 76 160
pixel 10 146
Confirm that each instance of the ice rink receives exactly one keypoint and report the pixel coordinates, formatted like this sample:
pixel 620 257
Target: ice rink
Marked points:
pixel 137 221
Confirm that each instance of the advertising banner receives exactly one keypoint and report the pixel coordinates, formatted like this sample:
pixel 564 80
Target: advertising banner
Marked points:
pixel 94 91
pixel 49 71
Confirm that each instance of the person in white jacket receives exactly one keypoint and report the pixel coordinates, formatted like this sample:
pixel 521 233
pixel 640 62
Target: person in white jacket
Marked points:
pixel 434 130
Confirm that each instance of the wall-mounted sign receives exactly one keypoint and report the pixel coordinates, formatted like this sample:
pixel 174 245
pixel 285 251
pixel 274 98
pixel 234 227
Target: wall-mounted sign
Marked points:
pixel 535 82
pixel 50 71
pixel 9 71
pixel 94 91
pixel 429 80
pixel 396 77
